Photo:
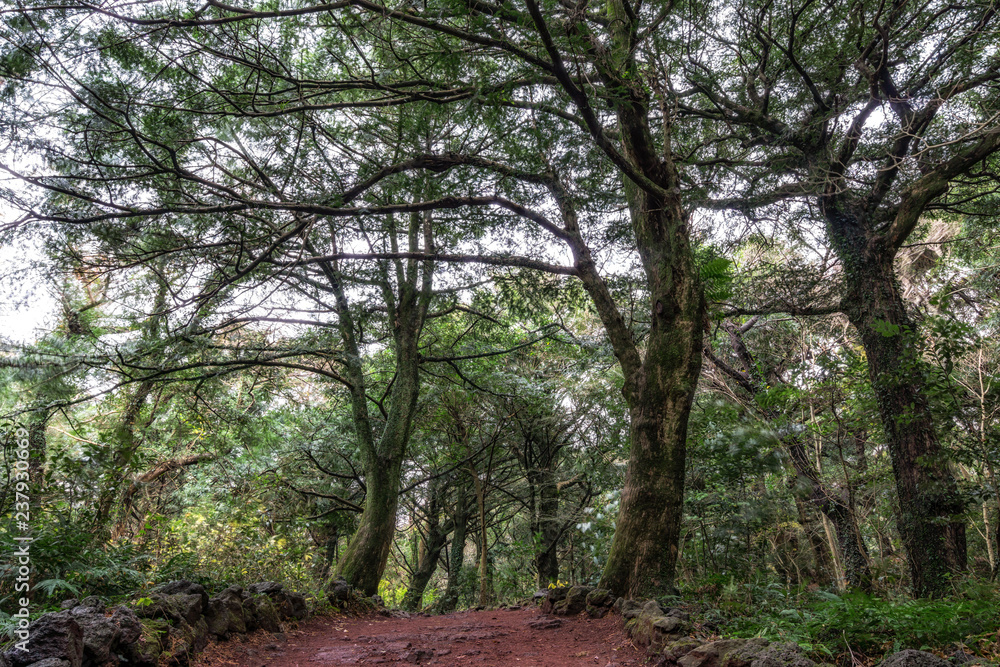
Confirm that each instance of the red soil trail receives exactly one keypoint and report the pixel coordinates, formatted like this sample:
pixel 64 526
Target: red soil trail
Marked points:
pixel 507 637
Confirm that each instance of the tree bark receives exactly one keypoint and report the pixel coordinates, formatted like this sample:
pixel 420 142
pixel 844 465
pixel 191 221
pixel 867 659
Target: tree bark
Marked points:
pixel 659 384
pixel 456 558
pixel 545 524
pixel 128 510
pixel 930 507
pixel 812 525
pixel 485 574
pixel 367 552
pixel 432 543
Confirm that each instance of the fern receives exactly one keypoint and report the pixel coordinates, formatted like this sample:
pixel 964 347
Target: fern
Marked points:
pixel 50 586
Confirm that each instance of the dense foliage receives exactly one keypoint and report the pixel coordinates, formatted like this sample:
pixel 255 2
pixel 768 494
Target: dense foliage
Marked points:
pixel 460 300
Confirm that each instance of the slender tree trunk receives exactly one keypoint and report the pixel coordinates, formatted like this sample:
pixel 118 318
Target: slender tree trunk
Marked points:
pixel 546 526
pixel 330 548
pixel 853 553
pixel 436 542
pixel 485 575
pixel 812 525
pixel 125 447
pixel 457 555
pixel 431 545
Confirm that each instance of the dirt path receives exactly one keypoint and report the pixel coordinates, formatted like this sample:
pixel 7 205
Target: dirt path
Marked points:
pixel 506 637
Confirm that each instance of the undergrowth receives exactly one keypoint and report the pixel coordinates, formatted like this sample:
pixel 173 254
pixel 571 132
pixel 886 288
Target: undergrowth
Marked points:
pixel 857 627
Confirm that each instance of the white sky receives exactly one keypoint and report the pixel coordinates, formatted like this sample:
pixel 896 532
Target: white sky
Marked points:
pixel 27 308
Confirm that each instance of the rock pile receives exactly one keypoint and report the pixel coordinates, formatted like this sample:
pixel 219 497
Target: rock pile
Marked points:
pixel 168 627
pixel 572 600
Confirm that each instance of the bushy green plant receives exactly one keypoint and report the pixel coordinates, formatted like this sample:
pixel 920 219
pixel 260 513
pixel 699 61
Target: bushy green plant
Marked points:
pixel 830 624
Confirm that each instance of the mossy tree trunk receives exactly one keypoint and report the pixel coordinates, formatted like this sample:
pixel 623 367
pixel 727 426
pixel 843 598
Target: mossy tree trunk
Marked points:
pixel 456 556
pixel 660 381
pixel 545 526
pixel 806 484
pixel 407 299
pixel 930 518
pixel 544 433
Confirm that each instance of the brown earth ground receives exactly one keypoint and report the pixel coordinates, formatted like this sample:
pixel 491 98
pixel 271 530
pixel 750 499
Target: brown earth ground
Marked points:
pixel 514 636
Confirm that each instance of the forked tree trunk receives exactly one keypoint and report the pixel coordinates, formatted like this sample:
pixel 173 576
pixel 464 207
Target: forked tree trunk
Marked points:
pixel 367 552
pixel 659 382
pixel 806 485
pixel 854 554
pixel 431 545
pixel 436 542
pixel 660 392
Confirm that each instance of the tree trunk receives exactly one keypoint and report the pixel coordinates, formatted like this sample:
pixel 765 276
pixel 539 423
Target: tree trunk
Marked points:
pixel 37 447
pixel 812 526
pixel 660 390
pixel 129 515
pixel 125 446
pixel 643 554
pixel 457 555
pixel 853 552
pixel 367 552
pixel 659 385
pixel 435 543
pixel 930 522
pixel 431 545
pixel 546 526
pixel 485 575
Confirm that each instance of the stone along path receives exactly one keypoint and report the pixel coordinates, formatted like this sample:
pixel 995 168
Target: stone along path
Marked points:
pixel 516 636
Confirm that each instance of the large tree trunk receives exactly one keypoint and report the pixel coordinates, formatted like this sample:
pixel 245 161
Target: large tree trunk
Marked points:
pixel 660 388
pixel 930 508
pixel 660 392
pixel 366 554
pixel 659 385
pixel 643 554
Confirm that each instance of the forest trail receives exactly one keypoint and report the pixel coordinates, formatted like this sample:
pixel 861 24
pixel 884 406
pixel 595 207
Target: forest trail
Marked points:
pixel 513 636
